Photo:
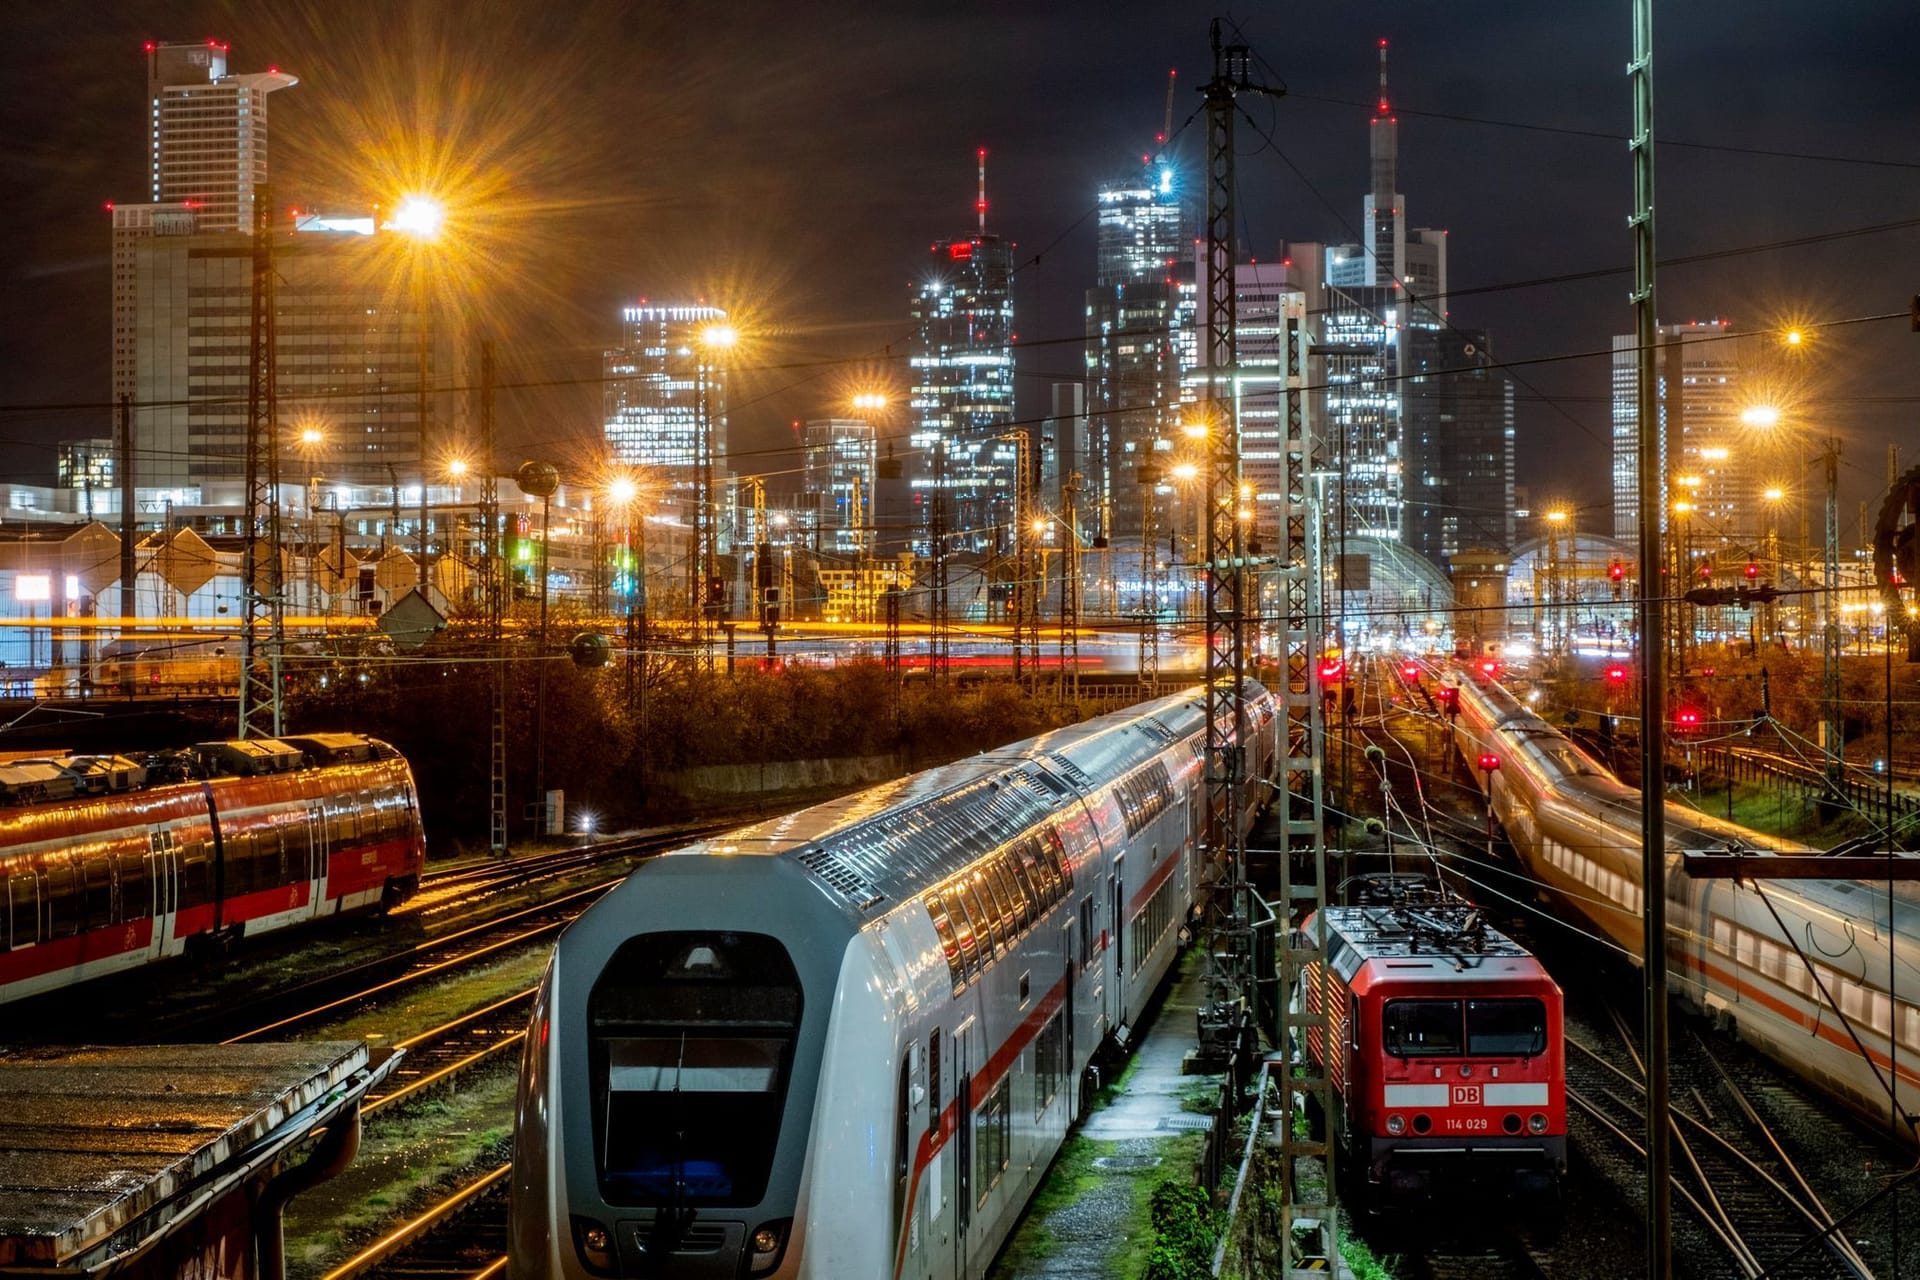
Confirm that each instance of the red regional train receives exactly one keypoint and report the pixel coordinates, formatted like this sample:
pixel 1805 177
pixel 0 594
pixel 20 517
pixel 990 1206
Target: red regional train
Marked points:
pixel 1448 1067
pixel 103 869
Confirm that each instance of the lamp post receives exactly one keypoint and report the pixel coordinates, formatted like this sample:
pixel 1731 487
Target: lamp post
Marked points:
pixel 420 218
pixel 540 480
pixel 311 438
pixel 1766 416
pixel 710 593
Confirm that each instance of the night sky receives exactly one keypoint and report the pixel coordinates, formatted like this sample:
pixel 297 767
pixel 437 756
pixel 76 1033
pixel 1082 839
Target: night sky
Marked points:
pixel 794 161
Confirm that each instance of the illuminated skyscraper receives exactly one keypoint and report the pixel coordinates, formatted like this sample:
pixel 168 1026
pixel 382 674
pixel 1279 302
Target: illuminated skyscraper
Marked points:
pixel 1458 490
pixel 1377 293
pixel 207 132
pixel 962 398
pixel 839 464
pixel 655 379
pixel 1144 258
pixel 1703 386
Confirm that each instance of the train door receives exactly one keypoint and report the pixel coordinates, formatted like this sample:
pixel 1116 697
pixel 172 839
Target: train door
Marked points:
pixel 1066 1013
pixel 317 860
pixel 1116 945
pixel 963 1068
pixel 163 873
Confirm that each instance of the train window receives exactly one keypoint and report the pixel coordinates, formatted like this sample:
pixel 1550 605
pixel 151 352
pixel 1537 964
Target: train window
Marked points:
pixel 23 909
pixel 97 869
pixel 64 903
pixel 998 911
pixel 1421 1028
pixel 135 896
pixel 1910 1026
pixel 992 1125
pixel 690 1048
pixel 1020 866
pixel 1053 857
pixel 1516 1027
pixel 1049 1064
pixel 1045 882
pixel 1020 909
pixel 948 944
pixel 963 928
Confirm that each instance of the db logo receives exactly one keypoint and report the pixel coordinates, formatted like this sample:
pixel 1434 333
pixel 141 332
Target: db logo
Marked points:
pixel 1466 1095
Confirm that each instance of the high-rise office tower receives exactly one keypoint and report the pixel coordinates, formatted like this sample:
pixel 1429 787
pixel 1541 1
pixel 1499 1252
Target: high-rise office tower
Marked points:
pixel 1270 328
pixel 207 132
pixel 1063 443
pixel 1704 380
pixel 1411 260
pixel 1144 257
pixel 838 461
pixel 1377 292
pixel 346 354
pixel 206 141
pixel 962 398
pixel 1458 490
pixel 666 397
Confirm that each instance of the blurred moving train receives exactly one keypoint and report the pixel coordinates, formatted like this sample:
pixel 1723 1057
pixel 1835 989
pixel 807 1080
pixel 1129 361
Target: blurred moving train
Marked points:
pixel 848 1042
pixel 1444 1051
pixel 1821 975
pixel 105 866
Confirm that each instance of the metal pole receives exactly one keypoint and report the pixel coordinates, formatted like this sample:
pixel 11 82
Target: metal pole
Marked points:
pixel 128 574
pixel 420 407
pixel 1832 748
pixel 1652 518
pixel 540 668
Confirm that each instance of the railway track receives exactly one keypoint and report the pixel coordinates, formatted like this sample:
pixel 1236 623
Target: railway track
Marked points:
pixel 283 1010
pixel 443 1053
pixel 460 1237
pixel 1495 1258
pixel 1753 1204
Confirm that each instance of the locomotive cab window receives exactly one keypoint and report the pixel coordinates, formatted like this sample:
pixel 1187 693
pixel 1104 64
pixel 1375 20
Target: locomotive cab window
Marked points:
pixel 1506 1028
pixel 1421 1028
pixel 691 1046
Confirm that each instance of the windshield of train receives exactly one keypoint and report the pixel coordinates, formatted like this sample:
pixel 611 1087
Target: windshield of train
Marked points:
pixel 1505 1028
pixel 692 1039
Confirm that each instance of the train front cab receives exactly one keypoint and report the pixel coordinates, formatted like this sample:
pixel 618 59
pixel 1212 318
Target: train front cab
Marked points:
pixel 1456 1085
pixel 670 1081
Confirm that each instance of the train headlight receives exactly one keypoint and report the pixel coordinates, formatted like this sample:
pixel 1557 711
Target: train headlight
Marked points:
pixel 595 1246
pixel 1396 1125
pixel 765 1246
pixel 1537 1123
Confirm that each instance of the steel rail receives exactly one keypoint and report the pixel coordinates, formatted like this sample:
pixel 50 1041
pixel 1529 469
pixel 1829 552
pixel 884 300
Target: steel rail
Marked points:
pixel 397 1239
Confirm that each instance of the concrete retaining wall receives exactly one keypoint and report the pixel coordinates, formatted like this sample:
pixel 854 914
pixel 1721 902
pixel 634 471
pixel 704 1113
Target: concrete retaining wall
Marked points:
pixel 782 775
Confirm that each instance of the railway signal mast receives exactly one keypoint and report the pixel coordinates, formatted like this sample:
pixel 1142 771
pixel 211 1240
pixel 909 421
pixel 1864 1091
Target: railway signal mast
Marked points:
pixel 1307 1215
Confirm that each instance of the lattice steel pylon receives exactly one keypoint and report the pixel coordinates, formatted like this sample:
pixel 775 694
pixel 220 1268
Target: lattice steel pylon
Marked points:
pixel 263 630
pixel 940 635
pixel 1308 1231
pixel 1149 590
pixel 1027 589
pixel 1070 490
pixel 493 595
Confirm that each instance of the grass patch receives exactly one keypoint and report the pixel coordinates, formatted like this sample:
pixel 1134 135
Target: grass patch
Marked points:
pixel 1362 1262
pixel 403 1154
pixel 441 1002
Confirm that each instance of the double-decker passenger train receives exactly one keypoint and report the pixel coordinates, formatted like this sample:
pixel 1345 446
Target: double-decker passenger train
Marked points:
pixel 1444 1051
pixel 117 873
pixel 1821 975
pixel 847 1042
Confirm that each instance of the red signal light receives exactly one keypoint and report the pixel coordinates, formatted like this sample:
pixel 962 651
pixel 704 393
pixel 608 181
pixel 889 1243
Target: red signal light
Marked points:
pixel 1490 667
pixel 1332 669
pixel 1616 675
pixel 1489 762
pixel 1411 671
pixel 1616 571
pixel 1753 570
pixel 1686 720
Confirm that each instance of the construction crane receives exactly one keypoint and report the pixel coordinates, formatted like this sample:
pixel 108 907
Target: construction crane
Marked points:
pixel 1166 117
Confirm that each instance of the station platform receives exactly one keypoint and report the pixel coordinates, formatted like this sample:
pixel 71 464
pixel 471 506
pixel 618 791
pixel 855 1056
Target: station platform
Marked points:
pixel 162 1161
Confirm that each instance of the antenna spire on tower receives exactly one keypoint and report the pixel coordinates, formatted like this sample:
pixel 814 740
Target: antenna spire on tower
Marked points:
pixel 1383 76
pixel 980 204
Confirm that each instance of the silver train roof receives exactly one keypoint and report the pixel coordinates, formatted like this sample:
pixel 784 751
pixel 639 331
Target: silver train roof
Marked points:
pixel 894 841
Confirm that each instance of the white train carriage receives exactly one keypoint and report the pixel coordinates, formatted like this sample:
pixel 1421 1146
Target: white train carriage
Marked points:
pixel 848 1042
pixel 1821 975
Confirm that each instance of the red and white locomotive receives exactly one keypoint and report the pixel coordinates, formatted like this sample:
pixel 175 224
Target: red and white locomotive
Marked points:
pixel 101 872
pixel 1447 1063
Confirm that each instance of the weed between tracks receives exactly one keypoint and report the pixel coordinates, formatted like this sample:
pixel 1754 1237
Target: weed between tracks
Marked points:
pixel 404 1158
pixel 442 1002
pixel 1103 1216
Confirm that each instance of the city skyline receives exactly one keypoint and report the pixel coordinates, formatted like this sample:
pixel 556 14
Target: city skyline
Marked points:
pixel 889 198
